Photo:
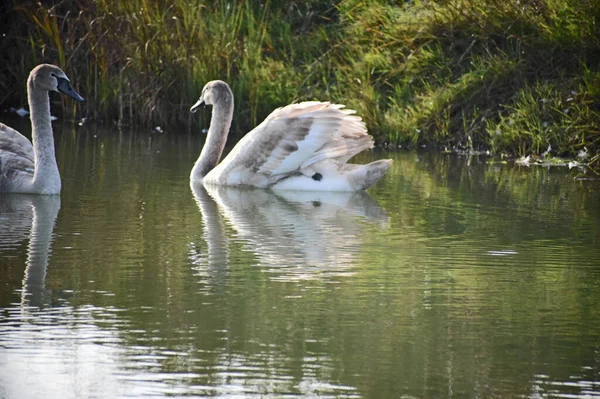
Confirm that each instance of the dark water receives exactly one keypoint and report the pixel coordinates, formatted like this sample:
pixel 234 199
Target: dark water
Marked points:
pixel 454 277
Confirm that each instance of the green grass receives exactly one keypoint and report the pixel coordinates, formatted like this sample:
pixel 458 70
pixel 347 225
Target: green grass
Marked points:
pixel 505 76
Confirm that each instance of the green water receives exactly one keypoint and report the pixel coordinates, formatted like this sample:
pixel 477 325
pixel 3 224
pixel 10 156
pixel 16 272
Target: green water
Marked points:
pixel 454 277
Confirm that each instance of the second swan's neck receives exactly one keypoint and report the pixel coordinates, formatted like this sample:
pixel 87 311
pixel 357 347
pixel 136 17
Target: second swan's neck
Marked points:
pixel 220 122
pixel 46 178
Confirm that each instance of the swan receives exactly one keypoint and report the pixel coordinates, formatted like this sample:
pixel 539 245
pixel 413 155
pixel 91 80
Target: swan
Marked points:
pixel 27 168
pixel 302 146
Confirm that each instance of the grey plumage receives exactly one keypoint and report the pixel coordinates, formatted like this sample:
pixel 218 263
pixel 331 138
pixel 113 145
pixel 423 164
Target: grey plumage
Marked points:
pixel 16 155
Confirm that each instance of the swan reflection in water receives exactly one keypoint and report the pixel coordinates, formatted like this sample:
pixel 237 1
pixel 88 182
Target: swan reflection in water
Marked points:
pixel 294 235
pixel 32 216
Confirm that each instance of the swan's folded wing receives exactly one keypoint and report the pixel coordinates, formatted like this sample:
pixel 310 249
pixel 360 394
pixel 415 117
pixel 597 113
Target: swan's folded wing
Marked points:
pixel 16 152
pixel 299 135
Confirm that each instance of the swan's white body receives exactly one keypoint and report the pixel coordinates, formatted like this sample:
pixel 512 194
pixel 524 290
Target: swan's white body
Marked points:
pixel 26 167
pixel 302 146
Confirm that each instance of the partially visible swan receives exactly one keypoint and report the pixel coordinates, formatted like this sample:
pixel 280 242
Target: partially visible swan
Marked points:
pixel 303 146
pixel 27 168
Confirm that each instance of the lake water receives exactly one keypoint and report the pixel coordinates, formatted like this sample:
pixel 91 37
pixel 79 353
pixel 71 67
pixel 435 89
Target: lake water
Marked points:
pixel 453 277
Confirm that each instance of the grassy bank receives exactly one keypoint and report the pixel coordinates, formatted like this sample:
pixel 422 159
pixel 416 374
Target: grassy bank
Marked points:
pixel 507 76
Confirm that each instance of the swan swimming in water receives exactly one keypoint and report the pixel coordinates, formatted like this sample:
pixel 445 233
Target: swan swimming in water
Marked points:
pixel 302 146
pixel 27 168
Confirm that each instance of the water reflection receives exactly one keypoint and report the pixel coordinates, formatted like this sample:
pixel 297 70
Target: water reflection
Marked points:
pixel 33 216
pixel 483 281
pixel 215 263
pixel 294 235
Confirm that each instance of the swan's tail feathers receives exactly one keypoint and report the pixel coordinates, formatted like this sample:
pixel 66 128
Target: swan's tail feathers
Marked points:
pixel 361 177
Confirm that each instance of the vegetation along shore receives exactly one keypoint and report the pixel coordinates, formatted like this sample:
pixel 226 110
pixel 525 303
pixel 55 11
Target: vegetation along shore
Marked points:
pixel 511 77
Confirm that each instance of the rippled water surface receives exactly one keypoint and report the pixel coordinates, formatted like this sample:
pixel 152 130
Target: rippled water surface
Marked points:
pixel 453 277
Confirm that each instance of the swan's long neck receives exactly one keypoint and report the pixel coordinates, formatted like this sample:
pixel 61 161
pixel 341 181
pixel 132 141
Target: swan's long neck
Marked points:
pixel 220 122
pixel 46 178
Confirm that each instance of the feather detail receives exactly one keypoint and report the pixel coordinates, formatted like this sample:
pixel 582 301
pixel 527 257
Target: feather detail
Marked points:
pixel 16 157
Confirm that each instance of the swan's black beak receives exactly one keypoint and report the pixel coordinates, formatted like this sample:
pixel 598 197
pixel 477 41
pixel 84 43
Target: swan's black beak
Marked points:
pixel 64 86
pixel 197 105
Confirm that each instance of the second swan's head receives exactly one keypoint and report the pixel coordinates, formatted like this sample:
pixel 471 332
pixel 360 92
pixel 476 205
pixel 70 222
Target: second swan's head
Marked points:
pixel 214 92
pixel 51 78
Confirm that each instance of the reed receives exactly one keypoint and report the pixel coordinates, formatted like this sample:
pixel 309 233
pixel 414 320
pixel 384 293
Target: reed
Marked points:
pixel 506 76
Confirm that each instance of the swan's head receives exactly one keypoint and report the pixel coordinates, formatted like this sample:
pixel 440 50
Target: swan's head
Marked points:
pixel 214 92
pixel 51 78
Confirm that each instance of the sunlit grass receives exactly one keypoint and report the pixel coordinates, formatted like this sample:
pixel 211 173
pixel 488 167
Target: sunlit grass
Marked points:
pixel 510 77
